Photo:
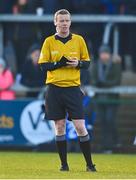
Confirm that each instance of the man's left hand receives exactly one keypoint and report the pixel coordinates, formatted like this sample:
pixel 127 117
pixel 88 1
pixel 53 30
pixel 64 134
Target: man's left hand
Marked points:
pixel 72 62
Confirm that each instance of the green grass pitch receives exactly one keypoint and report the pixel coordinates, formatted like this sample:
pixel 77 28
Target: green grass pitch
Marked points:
pixel 25 165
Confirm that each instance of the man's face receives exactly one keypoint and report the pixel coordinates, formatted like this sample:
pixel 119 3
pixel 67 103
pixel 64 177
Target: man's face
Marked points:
pixel 63 23
pixel 104 57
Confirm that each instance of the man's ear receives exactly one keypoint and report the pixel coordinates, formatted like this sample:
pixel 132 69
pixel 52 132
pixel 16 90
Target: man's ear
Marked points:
pixel 55 23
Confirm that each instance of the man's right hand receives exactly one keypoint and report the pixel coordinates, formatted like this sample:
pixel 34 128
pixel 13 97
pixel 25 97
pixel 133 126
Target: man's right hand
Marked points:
pixel 50 66
pixel 63 62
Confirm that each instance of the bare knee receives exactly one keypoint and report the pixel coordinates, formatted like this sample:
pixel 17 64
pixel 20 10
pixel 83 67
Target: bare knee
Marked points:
pixel 60 127
pixel 80 127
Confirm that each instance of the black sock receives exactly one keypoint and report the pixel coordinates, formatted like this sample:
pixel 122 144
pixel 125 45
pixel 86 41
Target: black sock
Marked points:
pixel 62 149
pixel 86 149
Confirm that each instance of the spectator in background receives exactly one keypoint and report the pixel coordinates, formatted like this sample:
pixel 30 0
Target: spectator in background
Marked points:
pixel 6 81
pixel 109 7
pixel 24 7
pixel 32 76
pixel 10 57
pixel 6 6
pixel 89 111
pixel 106 73
pixel 24 33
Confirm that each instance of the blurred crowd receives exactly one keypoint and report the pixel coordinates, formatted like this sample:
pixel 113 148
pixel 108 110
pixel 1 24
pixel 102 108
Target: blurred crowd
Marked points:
pixel 74 6
pixel 20 37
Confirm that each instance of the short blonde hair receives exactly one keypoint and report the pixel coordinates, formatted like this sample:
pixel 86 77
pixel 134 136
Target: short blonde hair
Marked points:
pixel 61 11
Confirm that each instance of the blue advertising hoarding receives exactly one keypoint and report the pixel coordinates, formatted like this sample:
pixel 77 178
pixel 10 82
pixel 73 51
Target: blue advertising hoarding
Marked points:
pixel 22 123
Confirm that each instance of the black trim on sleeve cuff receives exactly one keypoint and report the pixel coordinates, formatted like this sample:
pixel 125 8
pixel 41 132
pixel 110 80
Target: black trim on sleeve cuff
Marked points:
pixel 83 64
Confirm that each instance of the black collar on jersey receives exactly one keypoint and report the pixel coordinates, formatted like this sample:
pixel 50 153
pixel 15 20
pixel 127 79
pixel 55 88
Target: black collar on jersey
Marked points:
pixel 63 40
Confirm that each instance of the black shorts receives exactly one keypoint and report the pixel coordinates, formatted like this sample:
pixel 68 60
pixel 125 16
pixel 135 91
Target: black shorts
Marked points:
pixel 62 102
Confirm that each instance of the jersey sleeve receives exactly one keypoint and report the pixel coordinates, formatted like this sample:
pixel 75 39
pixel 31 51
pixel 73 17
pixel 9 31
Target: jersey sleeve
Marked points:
pixel 45 52
pixel 84 55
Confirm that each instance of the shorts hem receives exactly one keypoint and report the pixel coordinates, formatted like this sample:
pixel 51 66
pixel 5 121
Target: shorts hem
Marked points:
pixel 56 119
pixel 75 118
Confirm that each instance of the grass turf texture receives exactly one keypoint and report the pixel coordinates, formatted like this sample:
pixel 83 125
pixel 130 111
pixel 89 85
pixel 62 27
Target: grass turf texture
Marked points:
pixel 45 165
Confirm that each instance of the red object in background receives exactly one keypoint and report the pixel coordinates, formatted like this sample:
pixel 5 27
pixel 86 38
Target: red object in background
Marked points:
pixel 6 81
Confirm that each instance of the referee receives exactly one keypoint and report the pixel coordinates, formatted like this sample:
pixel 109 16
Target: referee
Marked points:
pixel 62 56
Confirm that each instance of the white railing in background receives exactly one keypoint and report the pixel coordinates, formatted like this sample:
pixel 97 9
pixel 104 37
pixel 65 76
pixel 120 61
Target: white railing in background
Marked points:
pixel 86 18
pixel 88 89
